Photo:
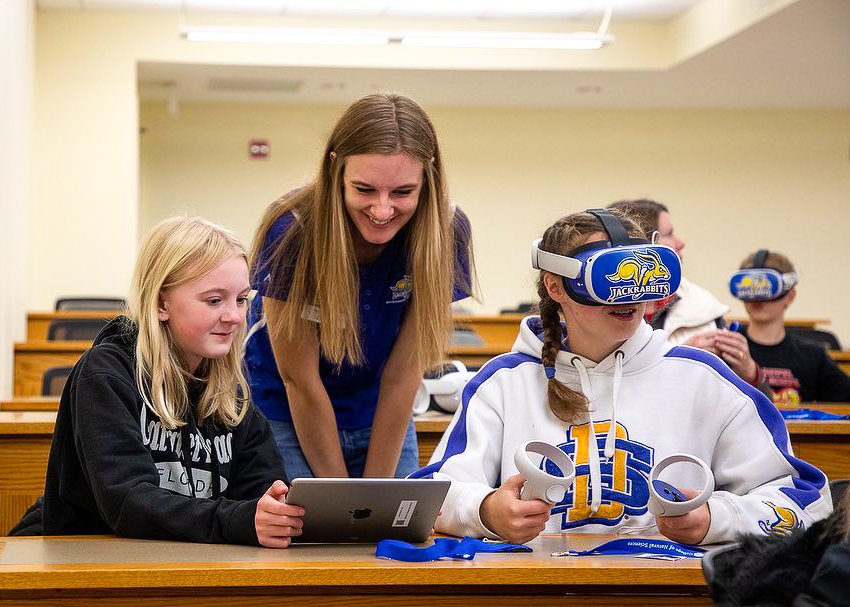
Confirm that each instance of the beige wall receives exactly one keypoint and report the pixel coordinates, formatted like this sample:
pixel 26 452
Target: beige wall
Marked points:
pixel 735 181
pixel 740 179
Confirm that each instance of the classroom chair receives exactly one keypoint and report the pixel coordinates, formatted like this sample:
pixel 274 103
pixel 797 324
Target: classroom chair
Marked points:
pixel 80 329
pixel 90 303
pixel 827 338
pixel 53 380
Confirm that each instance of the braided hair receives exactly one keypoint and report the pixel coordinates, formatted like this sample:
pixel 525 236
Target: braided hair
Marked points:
pixel 562 237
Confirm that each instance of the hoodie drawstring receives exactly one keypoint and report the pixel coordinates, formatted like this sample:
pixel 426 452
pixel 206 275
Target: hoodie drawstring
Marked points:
pixel 615 393
pixel 592 449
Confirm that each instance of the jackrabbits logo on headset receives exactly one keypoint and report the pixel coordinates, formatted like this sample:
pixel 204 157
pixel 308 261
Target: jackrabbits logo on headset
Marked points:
pixel 621 270
pixel 760 283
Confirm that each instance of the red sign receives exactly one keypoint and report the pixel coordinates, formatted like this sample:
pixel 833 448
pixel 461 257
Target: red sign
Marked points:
pixel 259 148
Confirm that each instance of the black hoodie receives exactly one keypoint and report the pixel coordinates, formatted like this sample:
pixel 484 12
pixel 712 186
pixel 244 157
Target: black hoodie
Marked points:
pixel 114 468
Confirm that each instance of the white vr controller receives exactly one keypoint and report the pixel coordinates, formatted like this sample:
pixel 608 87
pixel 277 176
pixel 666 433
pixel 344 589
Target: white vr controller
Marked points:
pixel 539 484
pixel 667 500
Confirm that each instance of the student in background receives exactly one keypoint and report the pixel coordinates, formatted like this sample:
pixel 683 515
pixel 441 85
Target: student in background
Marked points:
pixel 597 382
pixel 692 316
pixel 156 436
pixel 794 369
pixel 355 275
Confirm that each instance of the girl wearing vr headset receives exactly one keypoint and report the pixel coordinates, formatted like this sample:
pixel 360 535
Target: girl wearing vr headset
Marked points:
pixel 355 275
pixel 795 370
pixel 592 378
pixel 156 436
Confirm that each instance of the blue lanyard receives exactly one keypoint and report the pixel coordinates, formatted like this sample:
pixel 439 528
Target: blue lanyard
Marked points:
pixel 811 414
pixel 443 547
pixel 626 546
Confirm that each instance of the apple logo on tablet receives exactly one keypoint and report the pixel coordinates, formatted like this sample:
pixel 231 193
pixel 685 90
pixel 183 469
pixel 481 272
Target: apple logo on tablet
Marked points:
pixel 360 513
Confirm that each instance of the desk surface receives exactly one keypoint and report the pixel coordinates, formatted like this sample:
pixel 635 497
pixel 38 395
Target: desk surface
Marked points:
pixel 110 563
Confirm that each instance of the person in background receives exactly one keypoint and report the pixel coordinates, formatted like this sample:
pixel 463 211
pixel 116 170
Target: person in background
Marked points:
pixel 355 275
pixel 592 378
pixel 692 316
pixel 156 436
pixel 794 369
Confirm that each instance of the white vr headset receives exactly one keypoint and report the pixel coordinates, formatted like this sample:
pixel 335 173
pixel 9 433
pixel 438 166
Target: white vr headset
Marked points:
pixel 618 271
pixel 447 390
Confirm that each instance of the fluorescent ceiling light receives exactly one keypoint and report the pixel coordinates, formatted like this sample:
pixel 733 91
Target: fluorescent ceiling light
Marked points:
pixel 448 38
pixel 285 35
pixel 572 41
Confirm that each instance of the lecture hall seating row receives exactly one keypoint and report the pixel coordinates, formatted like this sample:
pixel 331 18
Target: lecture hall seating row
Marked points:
pixel 498 332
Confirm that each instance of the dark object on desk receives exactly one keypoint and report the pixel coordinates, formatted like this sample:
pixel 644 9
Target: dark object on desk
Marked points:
pixel 826 338
pixel 53 380
pixel 30 523
pixel 90 303
pixel 522 308
pixel 838 489
pixel 78 329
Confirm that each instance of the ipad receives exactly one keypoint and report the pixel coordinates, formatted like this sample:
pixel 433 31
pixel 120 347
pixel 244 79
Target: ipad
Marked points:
pixel 338 510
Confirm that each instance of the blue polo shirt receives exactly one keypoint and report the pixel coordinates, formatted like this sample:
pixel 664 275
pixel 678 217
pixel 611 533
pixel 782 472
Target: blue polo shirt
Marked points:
pixel 385 289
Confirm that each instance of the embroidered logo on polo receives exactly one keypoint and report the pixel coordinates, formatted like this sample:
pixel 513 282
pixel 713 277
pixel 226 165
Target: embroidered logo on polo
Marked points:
pixel 644 274
pixel 400 291
pixel 784 523
pixel 625 484
pixel 754 286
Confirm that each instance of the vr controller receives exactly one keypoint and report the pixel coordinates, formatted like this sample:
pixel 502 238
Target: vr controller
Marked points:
pixel 539 484
pixel 667 500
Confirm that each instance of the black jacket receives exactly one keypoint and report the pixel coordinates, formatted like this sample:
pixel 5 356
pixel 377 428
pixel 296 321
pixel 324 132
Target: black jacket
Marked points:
pixel 114 468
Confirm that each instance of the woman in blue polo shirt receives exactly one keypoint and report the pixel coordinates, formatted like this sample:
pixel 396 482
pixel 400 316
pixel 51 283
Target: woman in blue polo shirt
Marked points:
pixel 355 274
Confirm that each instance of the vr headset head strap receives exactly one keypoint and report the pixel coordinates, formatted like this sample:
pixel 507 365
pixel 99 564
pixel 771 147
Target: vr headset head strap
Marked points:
pixel 617 234
pixel 760 258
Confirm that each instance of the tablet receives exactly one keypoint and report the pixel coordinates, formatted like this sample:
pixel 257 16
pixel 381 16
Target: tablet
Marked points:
pixel 338 510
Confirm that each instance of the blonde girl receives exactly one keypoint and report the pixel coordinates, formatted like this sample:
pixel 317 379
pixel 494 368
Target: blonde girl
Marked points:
pixel 355 274
pixel 156 436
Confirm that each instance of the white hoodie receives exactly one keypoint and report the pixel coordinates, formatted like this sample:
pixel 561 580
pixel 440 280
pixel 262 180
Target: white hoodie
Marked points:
pixel 669 400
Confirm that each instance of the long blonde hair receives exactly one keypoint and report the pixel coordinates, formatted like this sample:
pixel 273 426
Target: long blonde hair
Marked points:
pixel 318 252
pixel 178 251
pixel 562 237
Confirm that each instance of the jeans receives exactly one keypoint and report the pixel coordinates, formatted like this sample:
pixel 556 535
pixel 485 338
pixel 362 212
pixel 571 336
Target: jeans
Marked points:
pixel 354 443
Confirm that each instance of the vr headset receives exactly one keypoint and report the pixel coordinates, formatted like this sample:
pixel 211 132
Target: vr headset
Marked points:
pixel 760 283
pixel 620 270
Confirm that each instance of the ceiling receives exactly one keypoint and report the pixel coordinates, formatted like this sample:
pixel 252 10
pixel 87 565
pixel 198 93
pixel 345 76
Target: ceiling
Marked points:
pixel 798 57
pixel 466 9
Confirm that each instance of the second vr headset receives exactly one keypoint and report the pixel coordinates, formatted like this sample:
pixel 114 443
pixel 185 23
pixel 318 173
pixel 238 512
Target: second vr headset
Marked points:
pixel 620 270
pixel 760 283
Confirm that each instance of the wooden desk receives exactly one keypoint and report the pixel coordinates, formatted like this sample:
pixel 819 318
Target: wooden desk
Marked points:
pixel 33 358
pixel 24 447
pixel 104 570
pixel 30 403
pixel 842 358
pixel 38 322
pixel 498 332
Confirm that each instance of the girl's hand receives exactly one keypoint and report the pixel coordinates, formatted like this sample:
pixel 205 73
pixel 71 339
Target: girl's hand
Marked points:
pixel 513 519
pixel 733 348
pixel 275 521
pixel 688 528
